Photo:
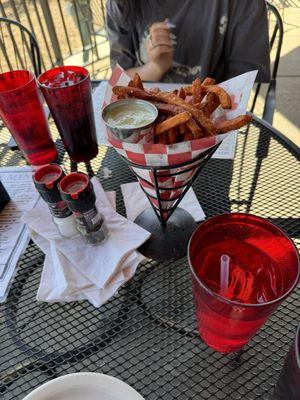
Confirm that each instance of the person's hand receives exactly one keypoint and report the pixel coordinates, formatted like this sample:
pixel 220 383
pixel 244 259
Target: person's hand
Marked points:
pixel 160 47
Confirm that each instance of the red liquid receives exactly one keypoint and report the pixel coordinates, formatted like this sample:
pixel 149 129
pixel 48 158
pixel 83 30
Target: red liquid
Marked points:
pixel 254 277
pixel 67 91
pixel 22 112
pixel 263 269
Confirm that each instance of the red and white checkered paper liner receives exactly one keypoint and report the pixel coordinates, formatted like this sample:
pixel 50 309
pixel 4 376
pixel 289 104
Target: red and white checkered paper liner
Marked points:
pixel 146 153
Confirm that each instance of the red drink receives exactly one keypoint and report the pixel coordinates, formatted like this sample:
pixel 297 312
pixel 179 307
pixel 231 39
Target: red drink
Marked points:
pixel 264 269
pixel 68 93
pixel 22 111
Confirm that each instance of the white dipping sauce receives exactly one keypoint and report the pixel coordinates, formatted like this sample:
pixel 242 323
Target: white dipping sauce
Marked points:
pixel 130 116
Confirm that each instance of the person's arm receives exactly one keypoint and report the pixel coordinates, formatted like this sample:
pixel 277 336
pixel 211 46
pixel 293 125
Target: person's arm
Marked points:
pixel 160 52
pixel 247 40
pixel 148 72
pixel 159 49
pixel 120 37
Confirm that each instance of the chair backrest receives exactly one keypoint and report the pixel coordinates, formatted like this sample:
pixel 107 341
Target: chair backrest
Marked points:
pixel 276 39
pixel 18 47
pixel 277 33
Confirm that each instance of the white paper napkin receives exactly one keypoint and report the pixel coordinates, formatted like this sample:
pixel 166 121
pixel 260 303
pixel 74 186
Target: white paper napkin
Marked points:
pixel 136 202
pixel 74 270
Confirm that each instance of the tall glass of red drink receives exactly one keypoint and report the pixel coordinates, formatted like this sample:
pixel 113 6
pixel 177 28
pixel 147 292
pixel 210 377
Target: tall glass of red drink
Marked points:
pixel 67 91
pixel 22 112
pixel 263 271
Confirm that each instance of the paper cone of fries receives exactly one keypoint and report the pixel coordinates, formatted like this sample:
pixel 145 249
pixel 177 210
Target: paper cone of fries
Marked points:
pixel 164 170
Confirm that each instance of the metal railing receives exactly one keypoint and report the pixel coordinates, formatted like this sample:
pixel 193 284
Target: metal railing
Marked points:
pixel 67 31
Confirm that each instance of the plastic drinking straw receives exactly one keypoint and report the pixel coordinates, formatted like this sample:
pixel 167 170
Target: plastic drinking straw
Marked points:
pixel 224 280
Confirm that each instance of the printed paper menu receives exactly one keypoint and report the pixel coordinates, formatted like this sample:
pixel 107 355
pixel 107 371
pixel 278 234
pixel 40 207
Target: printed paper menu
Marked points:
pixel 13 232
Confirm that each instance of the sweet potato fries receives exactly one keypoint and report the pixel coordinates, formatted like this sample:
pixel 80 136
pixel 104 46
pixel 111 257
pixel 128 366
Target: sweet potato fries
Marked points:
pixel 184 114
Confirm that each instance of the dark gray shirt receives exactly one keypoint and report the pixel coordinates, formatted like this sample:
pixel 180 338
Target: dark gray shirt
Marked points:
pixel 216 38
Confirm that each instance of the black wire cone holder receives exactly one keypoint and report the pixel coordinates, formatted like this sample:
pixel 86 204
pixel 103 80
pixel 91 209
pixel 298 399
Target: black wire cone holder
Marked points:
pixel 170 226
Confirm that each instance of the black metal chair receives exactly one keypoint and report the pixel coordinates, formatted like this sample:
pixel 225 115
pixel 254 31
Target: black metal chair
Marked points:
pixel 269 107
pixel 263 145
pixel 25 51
pixel 18 50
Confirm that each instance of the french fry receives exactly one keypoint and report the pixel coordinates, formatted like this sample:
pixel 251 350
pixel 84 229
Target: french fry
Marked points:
pixel 188 90
pixel 223 96
pixel 181 93
pixel 232 124
pixel 171 122
pixel 190 100
pixel 135 92
pixel 196 90
pixel 154 90
pixel 212 103
pixel 183 114
pixel 194 128
pixel 137 82
pixel 162 139
pixel 173 135
pixel 188 136
pixel 201 105
pixel 182 129
pixel 198 115
pixel 208 81
pixel 168 109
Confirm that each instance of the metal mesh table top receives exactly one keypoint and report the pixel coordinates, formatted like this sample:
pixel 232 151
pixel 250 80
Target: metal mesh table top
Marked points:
pixel 146 334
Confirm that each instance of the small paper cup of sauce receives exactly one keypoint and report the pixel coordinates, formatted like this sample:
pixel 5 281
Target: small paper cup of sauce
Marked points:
pixel 127 118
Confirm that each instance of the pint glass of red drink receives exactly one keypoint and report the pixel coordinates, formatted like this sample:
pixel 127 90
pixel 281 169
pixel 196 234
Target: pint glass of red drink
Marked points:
pixel 263 270
pixel 67 91
pixel 22 112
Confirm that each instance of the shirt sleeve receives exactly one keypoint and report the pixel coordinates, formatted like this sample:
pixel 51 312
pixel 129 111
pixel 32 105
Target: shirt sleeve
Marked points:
pixel 120 37
pixel 247 42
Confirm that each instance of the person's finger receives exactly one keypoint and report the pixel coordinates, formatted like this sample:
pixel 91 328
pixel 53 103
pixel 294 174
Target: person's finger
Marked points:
pixel 158 39
pixel 159 25
pixel 159 32
pixel 159 50
pixel 163 30
pixel 151 45
pixel 160 45
pixel 157 36
pixel 161 42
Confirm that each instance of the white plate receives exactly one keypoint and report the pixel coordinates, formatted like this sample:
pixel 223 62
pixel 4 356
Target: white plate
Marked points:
pixel 84 386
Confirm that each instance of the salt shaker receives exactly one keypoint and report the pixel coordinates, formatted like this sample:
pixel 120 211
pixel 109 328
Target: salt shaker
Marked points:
pixel 46 181
pixel 78 192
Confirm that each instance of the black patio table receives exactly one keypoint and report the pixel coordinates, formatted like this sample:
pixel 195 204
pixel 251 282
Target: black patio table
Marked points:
pixel 146 334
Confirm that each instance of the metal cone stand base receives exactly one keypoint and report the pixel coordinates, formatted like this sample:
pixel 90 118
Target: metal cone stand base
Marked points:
pixel 171 228
pixel 167 241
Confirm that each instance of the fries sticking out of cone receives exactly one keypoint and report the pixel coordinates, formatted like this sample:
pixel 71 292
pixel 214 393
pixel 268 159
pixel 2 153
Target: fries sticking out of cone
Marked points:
pixel 186 113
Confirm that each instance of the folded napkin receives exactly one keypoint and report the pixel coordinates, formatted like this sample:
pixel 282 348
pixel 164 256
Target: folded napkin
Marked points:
pixel 74 270
pixel 136 202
